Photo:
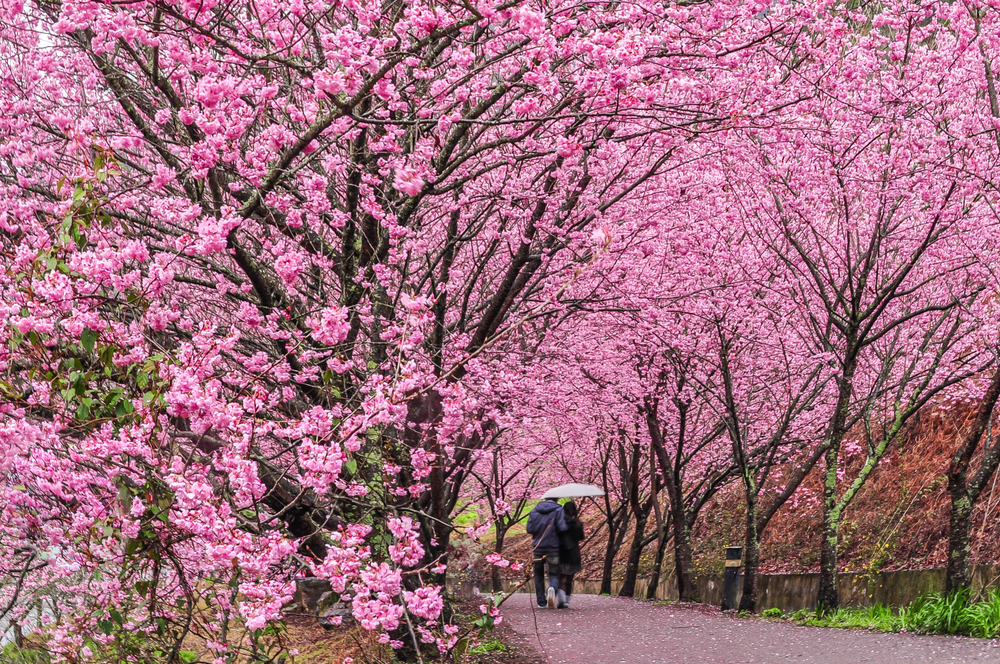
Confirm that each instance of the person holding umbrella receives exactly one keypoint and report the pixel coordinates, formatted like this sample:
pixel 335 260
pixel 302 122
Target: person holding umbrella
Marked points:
pixel 545 523
pixel 570 562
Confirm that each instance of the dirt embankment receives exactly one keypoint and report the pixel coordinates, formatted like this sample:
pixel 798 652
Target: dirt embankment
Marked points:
pixel 899 519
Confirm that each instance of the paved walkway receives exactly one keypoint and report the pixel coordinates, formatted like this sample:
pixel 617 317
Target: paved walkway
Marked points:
pixel 609 630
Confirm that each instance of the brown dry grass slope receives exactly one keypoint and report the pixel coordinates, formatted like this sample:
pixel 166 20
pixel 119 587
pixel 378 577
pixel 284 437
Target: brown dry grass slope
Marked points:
pixel 899 519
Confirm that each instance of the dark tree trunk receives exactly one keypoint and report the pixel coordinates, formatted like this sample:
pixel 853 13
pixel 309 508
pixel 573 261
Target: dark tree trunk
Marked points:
pixel 751 558
pixel 958 574
pixel 683 559
pixel 661 551
pixel 964 493
pixel 609 561
pixel 634 554
pixel 672 479
pixel 615 537
pixel 496 583
pixel 435 529
pixel 828 598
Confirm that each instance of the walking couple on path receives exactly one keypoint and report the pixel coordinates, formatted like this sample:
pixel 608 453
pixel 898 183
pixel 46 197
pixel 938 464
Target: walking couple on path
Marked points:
pixel 556 534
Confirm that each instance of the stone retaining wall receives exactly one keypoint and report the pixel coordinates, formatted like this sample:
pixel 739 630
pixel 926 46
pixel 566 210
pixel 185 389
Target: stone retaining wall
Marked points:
pixel 791 592
pixel 788 592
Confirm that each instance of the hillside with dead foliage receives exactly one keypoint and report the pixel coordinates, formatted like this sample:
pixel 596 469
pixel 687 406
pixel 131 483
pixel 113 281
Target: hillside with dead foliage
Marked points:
pixel 898 521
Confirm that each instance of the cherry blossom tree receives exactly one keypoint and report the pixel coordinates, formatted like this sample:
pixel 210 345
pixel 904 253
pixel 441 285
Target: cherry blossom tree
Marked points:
pixel 859 232
pixel 280 278
pixel 766 390
pixel 262 263
pixel 507 481
pixel 964 490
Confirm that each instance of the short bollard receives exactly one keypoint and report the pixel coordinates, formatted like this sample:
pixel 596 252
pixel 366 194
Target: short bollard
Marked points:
pixel 731 577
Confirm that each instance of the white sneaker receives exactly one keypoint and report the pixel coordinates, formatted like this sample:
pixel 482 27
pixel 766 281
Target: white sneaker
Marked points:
pixel 550 596
pixel 563 602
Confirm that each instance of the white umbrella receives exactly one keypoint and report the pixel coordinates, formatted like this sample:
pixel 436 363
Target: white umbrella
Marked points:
pixel 573 490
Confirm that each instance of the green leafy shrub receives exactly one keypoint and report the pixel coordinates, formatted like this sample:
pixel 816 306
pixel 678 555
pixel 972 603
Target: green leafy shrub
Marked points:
pixel 773 612
pixel 954 614
pixel 930 614
pixel 11 654
pixel 489 646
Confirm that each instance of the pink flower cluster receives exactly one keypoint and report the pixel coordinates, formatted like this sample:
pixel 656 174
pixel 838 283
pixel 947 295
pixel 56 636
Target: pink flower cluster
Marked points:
pixel 332 327
pixel 407 549
pixel 425 602
pixel 373 606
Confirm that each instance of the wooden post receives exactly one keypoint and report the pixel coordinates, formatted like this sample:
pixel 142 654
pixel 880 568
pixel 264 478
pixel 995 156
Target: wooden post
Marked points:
pixel 731 577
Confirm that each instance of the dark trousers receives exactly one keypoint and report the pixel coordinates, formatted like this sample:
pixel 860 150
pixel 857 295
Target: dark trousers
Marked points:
pixel 567 584
pixel 540 561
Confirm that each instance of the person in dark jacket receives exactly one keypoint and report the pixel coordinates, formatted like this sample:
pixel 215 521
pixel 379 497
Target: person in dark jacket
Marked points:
pixel 570 562
pixel 545 523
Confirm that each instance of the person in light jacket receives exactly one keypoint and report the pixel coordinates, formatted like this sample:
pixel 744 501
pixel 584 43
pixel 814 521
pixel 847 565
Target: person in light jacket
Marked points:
pixel 545 523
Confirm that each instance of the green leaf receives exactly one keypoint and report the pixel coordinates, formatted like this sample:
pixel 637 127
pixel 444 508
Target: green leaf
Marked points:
pixel 87 339
pixel 351 466
pixel 106 626
pixel 188 656
pixel 273 628
pixel 125 496
pixel 116 616
pixel 460 648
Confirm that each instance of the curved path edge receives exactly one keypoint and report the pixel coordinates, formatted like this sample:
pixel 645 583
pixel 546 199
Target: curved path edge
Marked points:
pixel 612 630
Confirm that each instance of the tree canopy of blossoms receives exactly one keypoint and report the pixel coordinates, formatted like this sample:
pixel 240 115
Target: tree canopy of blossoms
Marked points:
pixel 262 261
pixel 280 277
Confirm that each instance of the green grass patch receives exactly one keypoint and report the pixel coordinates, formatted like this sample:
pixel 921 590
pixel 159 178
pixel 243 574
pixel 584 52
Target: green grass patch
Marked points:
pixel 13 655
pixel 492 645
pixel 878 618
pixel 932 614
